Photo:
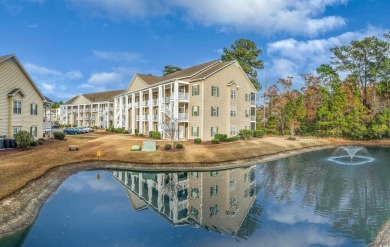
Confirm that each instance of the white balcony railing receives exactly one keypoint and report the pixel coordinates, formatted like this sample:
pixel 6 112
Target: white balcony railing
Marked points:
pixel 253 118
pixel 253 102
pixel 153 118
pixel 183 116
pixel 145 103
pixel 183 96
pixel 155 102
pixel 167 99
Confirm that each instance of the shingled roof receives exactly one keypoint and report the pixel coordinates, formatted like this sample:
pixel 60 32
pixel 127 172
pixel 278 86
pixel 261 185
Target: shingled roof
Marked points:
pixel 97 97
pixel 185 73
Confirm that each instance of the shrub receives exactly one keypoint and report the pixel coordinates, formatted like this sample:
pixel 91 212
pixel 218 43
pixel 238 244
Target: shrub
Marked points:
pixel 33 143
pixel 40 141
pixel 246 134
pixel 167 147
pixel 197 140
pixel 125 132
pixel 140 134
pixel 136 131
pixel 258 133
pixel 111 129
pixel 220 137
pixel 155 134
pixel 292 138
pixel 229 139
pixel 215 141
pixel 59 135
pixel 23 139
pixel 119 130
pixel 235 138
pixel 179 146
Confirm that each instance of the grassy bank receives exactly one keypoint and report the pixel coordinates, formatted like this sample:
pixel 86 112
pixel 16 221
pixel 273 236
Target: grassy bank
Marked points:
pixel 17 167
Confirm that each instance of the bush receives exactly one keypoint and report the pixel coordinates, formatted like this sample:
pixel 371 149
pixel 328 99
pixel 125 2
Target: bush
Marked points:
pixel 167 147
pixel 23 139
pixel 40 141
pixel 197 140
pixel 119 130
pixel 215 141
pixel 111 129
pixel 140 134
pixel 258 133
pixel 59 135
pixel 179 146
pixel 220 137
pixel 125 132
pixel 33 143
pixel 292 138
pixel 246 134
pixel 155 134
pixel 136 131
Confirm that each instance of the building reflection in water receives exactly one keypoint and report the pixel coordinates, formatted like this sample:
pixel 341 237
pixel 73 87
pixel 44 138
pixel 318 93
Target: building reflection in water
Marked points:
pixel 215 200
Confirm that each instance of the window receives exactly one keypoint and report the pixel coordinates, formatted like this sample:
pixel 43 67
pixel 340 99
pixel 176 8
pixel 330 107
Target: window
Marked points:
pixel 195 131
pixel 34 110
pixel 15 130
pixel 213 190
pixel 247 97
pixel 33 131
pixel 214 111
pixel 195 174
pixel 214 130
pixel 194 212
pixel 232 185
pixel 233 130
pixel 246 113
pixel 195 90
pixel 17 107
pixel 233 203
pixel 195 110
pixel 233 112
pixel 214 91
pixel 213 173
pixel 233 94
pixel 214 210
pixel 195 193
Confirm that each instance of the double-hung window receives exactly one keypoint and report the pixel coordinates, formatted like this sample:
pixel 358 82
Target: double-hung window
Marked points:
pixel 15 130
pixel 233 94
pixel 33 131
pixel 214 91
pixel 233 130
pixel 195 90
pixel 214 130
pixel 213 190
pixel 195 131
pixel 195 110
pixel 34 109
pixel 17 107
pixel 247 113
pixel 214 111
pixel 233 112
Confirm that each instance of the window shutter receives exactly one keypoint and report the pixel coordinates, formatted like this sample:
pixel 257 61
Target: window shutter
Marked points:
pixel 217 111
pixel 217 91
pixel 212 90
pixel 31 130
pixel 197 131
pixel 31 109
pixel 192 130
pixel 211 131
pixel 211 111
pixel 192 111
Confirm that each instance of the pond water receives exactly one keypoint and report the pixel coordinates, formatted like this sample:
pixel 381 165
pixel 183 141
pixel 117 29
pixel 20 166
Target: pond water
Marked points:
pixel 303 200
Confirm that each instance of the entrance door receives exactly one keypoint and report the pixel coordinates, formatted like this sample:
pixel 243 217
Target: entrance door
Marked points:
pixel 181 132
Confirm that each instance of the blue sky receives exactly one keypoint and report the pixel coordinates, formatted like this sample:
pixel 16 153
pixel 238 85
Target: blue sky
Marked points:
pixel 72 46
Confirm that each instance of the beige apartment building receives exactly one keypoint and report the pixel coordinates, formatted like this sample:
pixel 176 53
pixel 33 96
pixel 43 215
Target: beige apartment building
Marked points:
pixel 215 200
pixel 21 102
pixel 210 98
pixel 89 110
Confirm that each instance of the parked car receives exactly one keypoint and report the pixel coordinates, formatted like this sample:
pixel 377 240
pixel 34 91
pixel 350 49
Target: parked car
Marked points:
pixel 80 130
pixel 56 126
pixel 86 129
pixel 71 131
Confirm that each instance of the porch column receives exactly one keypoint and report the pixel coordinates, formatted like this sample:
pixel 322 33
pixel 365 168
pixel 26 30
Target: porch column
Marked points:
pixel 160 103
pixel 133 109
pixel 141 113
pixel 108 114
pixel 150 109
pixel 78 115
pixel 99 123
pixel 176 100
pixel 127 112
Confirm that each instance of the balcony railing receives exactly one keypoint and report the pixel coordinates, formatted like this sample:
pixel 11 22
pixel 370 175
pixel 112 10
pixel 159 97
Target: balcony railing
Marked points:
pixel 253 118
pixel 167 99
pixel 153 118
pixel 183 116
pixel 183 96
pixel 155 102
pixel 145 103
pixel 253 102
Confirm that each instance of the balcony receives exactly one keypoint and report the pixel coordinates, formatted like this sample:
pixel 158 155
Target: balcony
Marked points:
pixel 183 117
pixel 253 102
pixel 253 118
pixel 153 118
pixel 155 102
pixel 183 96
pixel 167 100
pixel 145 103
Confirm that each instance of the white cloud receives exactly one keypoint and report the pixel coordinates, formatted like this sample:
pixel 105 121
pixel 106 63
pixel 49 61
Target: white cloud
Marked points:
pixel 289 16
pixel 104 78
pixel 117 56
pixel 294 57
pixel 44 71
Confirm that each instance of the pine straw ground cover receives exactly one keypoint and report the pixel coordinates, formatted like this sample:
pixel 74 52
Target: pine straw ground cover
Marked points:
pixel 19 167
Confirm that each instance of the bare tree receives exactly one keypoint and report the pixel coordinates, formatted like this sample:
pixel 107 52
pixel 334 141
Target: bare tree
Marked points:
pixel 171 128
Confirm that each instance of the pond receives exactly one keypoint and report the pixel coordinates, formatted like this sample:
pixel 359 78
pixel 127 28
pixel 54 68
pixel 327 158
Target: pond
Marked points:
pixel 320 198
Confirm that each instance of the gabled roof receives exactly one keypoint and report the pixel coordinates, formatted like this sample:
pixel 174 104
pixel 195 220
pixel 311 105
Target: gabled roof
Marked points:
pixel 97 97
pixel 6 57
pixel 149 79
pixel 48 100
pixel 211 71
pixel 15 91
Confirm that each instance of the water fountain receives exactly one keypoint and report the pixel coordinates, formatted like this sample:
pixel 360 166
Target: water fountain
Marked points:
pixel 351 155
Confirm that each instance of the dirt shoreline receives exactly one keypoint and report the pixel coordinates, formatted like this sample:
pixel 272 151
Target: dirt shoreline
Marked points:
pixel 20 209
